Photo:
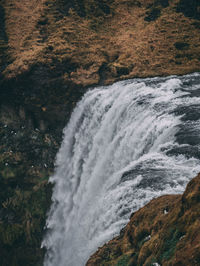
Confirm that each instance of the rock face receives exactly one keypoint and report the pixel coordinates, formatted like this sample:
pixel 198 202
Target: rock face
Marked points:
pixel 164 232
pixel 50 53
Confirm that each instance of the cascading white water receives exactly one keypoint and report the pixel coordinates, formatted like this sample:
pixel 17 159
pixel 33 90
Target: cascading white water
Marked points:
pixel 124 145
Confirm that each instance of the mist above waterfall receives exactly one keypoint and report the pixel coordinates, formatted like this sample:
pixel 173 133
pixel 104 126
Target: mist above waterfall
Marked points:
pixel 124 145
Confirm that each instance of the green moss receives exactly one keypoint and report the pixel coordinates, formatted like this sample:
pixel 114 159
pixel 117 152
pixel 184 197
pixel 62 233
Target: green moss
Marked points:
pixel 7 173
pixel 22 228
pixel 169 245
pixel 9 233
pixel 123 261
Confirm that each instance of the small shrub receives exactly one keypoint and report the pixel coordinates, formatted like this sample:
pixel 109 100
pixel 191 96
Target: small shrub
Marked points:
pixel 181 45
pixel 152 15
pixel 163 3
pixel 189 8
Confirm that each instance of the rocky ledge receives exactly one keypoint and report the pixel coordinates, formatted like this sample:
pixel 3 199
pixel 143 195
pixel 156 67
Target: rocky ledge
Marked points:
pixel 164 232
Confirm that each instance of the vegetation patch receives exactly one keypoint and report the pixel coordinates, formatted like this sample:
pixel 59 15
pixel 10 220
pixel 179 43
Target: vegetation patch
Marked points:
pixel 189 8
pixel 152 15
pixel 181 45
pixel 170 244
pixel 163 3
pixel 123 261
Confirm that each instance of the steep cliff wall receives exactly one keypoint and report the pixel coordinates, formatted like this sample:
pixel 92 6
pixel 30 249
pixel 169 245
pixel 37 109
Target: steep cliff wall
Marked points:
pixel 164 232
pixel 50 52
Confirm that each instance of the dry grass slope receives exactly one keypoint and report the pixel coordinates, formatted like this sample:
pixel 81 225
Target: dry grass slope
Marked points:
pixel 101 43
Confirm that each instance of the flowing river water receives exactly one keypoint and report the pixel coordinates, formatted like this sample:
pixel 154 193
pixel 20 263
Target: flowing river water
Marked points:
pixel 124 145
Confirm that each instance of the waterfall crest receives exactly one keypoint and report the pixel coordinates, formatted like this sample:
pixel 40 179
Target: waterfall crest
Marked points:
pixel 124 145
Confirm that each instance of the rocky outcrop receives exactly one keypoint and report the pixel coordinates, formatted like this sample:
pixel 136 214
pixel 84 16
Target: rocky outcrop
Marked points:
pixel 164 232
pixel 50 53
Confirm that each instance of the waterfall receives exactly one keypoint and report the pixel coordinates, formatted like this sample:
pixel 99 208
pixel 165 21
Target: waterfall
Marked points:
pixel 124 145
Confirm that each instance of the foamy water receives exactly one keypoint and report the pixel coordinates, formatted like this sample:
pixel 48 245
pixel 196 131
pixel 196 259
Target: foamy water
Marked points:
pixel 124 145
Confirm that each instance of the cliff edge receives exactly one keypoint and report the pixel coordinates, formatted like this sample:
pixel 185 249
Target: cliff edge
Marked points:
pixel 164 232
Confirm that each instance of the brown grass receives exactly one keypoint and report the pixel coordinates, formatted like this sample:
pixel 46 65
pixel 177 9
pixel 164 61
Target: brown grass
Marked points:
pixel 39 33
